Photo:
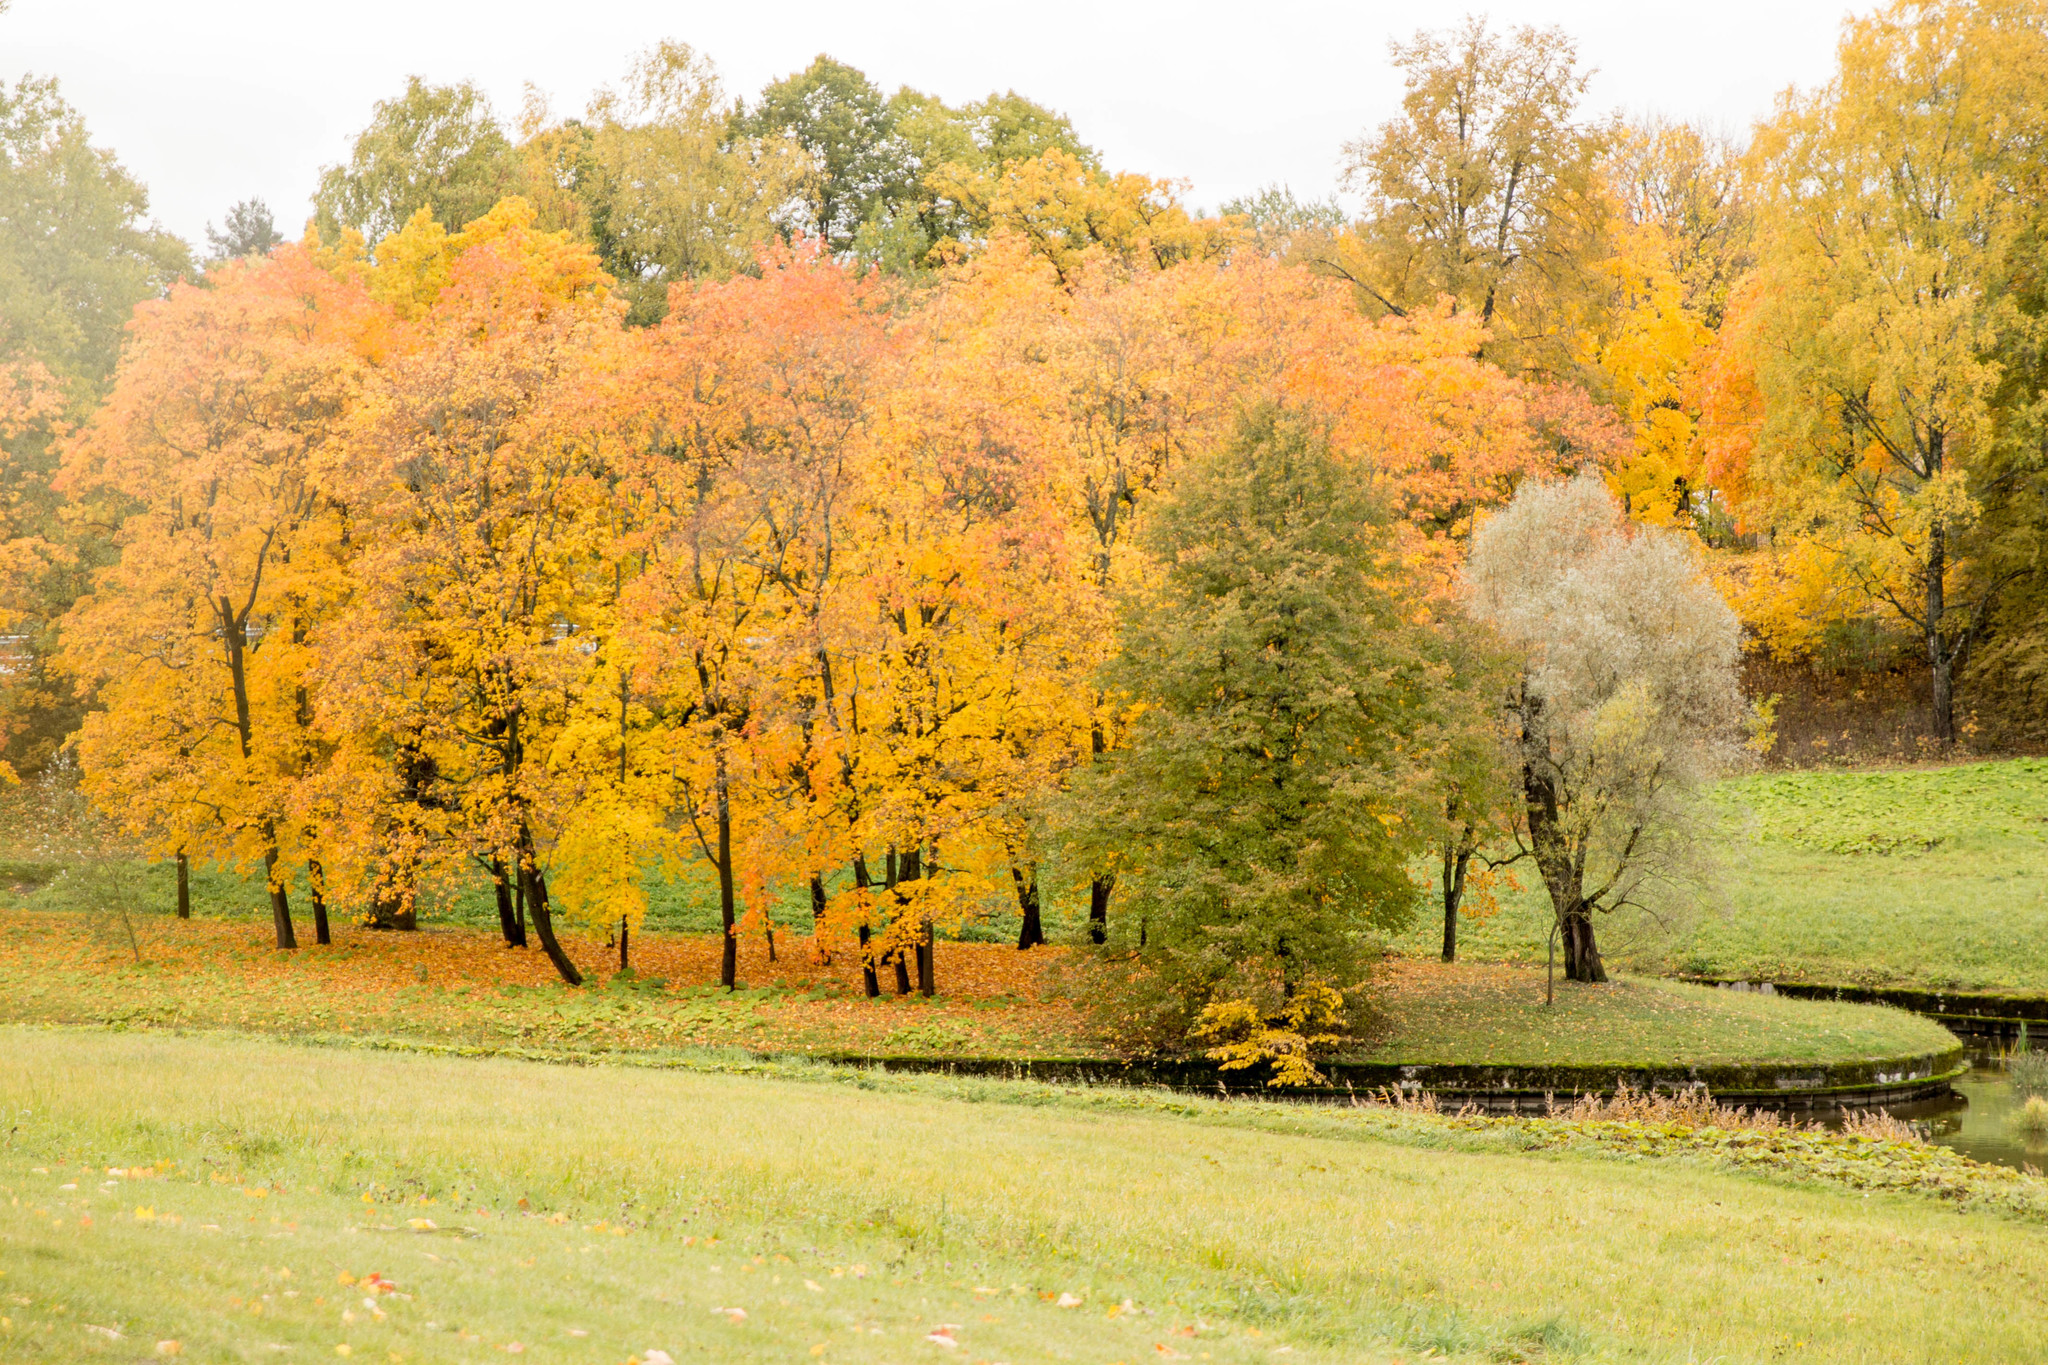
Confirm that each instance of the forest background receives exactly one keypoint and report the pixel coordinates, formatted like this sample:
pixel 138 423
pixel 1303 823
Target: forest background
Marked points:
pixel 771 483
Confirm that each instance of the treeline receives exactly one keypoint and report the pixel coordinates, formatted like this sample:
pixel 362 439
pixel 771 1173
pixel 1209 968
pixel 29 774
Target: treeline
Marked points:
pixel 435 562
pixel 772 481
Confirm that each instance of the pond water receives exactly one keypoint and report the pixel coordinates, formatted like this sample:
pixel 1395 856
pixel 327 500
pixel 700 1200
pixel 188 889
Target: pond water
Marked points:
pixel 1978 1122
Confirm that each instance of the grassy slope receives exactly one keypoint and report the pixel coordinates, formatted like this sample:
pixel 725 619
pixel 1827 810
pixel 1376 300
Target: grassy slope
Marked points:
pixel 460 986
pixel 653 1199
pixel 1829 876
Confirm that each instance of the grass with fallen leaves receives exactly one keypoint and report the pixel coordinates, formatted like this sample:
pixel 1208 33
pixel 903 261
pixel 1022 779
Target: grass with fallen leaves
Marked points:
pixel 237 1199
pixel 461 986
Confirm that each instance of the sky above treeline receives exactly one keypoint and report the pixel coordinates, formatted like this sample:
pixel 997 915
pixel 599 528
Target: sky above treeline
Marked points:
pixel 213 101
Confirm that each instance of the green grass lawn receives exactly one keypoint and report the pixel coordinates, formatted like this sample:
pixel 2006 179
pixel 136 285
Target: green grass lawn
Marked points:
pixel 1934 877
pixel 1496 1015
pixel 232 1196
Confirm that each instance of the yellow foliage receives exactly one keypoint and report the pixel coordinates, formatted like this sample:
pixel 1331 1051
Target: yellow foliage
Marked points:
pixel 1308 1024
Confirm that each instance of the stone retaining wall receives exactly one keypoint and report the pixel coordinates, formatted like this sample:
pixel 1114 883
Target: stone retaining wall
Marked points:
pixel 1848 1085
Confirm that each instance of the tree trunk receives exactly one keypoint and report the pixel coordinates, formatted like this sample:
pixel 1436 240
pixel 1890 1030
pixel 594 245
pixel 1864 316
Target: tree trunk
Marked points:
pixel 820 954
pixel 1562 875
pixel 1940 659
pixel 1032 932
pixel 280 902
pixel 1098 907
pixel 519 904
pixel 320 934
pixel 392 907
pixel 235 635
pixel 902 868
pixel 1581 955
pixel 868 979
pixel 729 955
pixel 511 923
pixel 543 922
pixel 1457 858
pixel 184 886
pixel 624 930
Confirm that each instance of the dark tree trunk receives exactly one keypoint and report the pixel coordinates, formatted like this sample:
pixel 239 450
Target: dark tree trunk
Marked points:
pixel 280 902
pixel 391 908
pixel 184 886
pixel 1581 955
pixel 1562 875
pixel 319 898
pixel 1098 907
pixel 519 904
pixel 1031 932
pixel 1940 657
pixel 235 636
pixel 624 930
pixel 543 922
pixel 511 923
pixel 729 955
pixel 868 980
pixel 1457 858
pixel 818 948
pixel 902 868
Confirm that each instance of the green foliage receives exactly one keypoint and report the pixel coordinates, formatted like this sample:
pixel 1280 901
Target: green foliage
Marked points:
pixel 437 147
pixel 1261 816
pixel 248 230
pixel 876 191
pixel 76 254
pixel 2027 1068
pixel 837 115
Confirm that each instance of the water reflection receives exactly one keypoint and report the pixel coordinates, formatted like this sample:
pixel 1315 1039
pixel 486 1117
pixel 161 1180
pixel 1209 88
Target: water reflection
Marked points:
pixel 1979 1122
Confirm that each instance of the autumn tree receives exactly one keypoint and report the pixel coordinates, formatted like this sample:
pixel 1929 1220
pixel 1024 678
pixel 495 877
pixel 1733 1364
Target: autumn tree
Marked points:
pixel 1483 190
pixel 458 648
pixel 1627 700
pixel 1265 808
pixel 1887 260
pixel 226 405
pixel 77 253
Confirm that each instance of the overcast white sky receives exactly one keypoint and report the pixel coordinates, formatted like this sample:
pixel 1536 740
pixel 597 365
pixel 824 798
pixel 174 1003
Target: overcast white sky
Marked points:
pixel 211 101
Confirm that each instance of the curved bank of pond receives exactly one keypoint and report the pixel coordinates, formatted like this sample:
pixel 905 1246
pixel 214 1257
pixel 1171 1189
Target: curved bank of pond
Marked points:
pixel 1802 1087
pixel 1994 1014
